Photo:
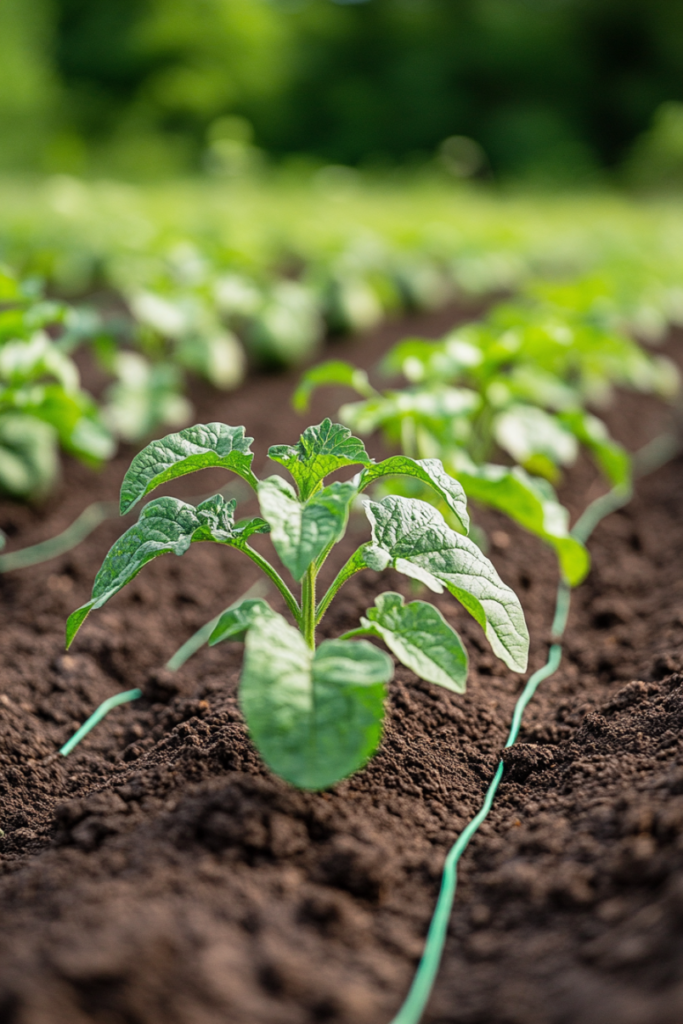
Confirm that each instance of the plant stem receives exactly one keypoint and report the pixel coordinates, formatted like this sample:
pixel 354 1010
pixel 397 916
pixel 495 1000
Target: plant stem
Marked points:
pixel 355 632
pixel 308 607
pixel 355 563
pixel 273 574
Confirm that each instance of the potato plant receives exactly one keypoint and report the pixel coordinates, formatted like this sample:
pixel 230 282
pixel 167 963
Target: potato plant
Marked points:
pixel 42 405
pixel 315 711
pixel 517 383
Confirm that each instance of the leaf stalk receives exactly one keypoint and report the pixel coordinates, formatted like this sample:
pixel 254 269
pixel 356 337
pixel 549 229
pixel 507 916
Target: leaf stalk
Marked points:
pixel 274 575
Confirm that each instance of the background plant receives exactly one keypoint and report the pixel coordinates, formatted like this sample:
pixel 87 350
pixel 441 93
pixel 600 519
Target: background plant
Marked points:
pixel 42 404
pixel 315 712
pixel 521 382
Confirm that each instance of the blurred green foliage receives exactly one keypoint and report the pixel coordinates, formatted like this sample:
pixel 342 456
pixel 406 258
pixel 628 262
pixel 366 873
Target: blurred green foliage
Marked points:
pixel 551 90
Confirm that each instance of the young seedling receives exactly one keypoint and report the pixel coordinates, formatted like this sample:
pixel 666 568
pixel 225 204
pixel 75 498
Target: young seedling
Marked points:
pixel 315 712
pixel 518 382
pixel 42 405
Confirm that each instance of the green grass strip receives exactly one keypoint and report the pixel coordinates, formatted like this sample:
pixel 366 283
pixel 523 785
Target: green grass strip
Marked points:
pixel 97 716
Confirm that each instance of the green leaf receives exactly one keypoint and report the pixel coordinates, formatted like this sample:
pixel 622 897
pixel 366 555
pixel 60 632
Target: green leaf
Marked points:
pixel 430 472
pixel 527 432
pixel 75 621
pixel 234 622
pixel 29 462
pixel 335 371
pixel 419 543
pixel 611 457
pixel 421 639
pixel 320 451
pixel 532 503
pixel 198 447
pixel 300 533
pixel 166 526
pixel 314 718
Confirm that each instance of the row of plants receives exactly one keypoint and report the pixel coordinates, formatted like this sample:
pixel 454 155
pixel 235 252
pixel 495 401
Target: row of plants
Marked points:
pixel 44 407
pixel 162 306
pixel 279 262
pixel 493 414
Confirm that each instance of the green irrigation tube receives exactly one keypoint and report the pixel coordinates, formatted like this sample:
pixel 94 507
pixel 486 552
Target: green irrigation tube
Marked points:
pixel 89 519
pixel 421 988
pixel 82 527
pixel 649 458
pixel 97 716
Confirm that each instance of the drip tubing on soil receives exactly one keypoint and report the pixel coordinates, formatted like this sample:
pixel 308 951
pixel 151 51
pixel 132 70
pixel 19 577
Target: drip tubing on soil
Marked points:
pixel 82 527
pixel 190 647
pixel 655 454
pixel 89 519
pixel 97 716
pixel 198 639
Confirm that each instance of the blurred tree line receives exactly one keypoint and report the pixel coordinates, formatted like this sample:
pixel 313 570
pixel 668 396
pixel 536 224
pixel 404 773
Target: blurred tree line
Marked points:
pixel 557 88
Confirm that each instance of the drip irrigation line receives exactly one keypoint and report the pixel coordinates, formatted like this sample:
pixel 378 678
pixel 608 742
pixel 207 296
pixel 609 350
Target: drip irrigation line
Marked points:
pixel 655 454
pixel 420 990
pixel 82 527
pixel 652 456
pixel 97 716
pixel 89 519
pixel 190 647
pixel 258 589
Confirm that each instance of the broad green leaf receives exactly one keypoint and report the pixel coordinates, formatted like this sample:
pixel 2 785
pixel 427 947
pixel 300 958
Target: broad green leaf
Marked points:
pixel 35 358
pixel 532 503
pixel 300 533
pixel 442 361
pixel 234 622
pixel 29 462
pixel 611 457
pixel 166 526
pixel 436 404
pixel 198 447
pixel 320 451
pixel 430 472
pixel 415 536
pixel 335 371
pixel 527 432
pixel 421 639
pixel 314 718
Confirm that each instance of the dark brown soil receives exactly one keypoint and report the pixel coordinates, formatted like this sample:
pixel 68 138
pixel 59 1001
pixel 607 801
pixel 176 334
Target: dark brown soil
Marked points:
pixel 160 875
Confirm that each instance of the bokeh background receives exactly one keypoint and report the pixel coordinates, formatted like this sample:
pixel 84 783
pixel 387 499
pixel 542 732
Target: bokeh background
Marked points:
pixel 568 92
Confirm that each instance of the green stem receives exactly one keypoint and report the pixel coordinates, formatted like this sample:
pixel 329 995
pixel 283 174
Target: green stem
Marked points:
pixel 273 574
pixel 356 632
pixel 355 563
pixel 308 607
pixel 250 478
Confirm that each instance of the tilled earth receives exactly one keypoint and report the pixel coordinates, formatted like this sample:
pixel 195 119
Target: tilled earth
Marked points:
pixel 161 875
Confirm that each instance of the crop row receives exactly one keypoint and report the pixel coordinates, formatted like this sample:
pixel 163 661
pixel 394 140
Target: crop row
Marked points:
pixel 160 282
